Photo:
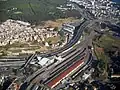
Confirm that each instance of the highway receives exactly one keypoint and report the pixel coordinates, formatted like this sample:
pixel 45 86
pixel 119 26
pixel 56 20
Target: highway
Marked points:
pixel 90 18
pixel 31 57
pixel 82 68
pixel 12 63
pixel 40 73
pixel 66 67
pixel 75 60
pixel 63 67
pixel 60 50
pixel 11 59
pixel 38 78
pixel 72 42
pixel 86 62
pixel 51 67
pixel 69 44
pixel 68 58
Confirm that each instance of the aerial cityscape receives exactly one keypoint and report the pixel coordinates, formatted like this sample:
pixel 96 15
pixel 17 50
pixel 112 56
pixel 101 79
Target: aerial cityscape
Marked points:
pixel 59 44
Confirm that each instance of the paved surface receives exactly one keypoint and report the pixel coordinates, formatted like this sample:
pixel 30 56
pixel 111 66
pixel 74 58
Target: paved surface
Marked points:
pixel 74 60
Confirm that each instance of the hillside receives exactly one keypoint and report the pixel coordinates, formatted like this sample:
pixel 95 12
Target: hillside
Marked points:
pixel 32 10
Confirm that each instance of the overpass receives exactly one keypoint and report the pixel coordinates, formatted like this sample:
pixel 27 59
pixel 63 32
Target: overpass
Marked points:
pixel 52 75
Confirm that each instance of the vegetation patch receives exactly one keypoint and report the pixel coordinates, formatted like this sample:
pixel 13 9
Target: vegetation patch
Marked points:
pixel 103 44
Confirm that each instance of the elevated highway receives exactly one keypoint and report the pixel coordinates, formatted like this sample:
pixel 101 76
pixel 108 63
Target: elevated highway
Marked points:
pixel 72 42
pixel 73 64
pixel 54 73
pixel 74 60
pixel 12 63
pixel 45 73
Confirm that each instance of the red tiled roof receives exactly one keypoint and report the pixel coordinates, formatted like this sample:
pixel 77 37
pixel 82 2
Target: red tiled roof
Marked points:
pixel 62 75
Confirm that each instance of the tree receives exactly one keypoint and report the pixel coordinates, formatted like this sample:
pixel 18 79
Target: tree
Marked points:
pixel 4 53
pixel 61 33
pixel 55 29
pixel 50 42
pixel 1 87
pixel 60 42
pixel 43 42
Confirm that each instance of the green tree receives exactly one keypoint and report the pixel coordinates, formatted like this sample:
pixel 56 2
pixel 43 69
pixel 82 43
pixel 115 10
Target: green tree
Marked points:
pixel 61 33
pixel 55 29
pixel 50 42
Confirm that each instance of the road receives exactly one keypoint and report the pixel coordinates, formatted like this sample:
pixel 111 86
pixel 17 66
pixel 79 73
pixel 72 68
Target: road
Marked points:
pixel 40 73
pixel 74 60
pixel 66 69
pixel 50 73
pixel 43 73
pixel 13 63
